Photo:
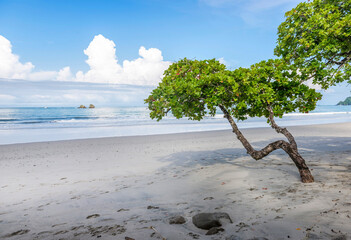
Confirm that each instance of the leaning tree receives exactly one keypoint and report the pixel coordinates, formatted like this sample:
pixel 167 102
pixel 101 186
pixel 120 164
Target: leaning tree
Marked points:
pixel 194 89
pixel 316 37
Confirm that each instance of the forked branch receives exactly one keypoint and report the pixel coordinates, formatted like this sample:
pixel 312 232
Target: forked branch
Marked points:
pixel 257 155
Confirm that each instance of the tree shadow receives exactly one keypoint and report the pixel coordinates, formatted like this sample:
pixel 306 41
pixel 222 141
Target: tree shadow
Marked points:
pixel 319 152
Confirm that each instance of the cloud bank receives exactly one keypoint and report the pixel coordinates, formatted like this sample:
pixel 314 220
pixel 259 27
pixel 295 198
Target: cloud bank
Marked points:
pixel 103 63
pixel 27 93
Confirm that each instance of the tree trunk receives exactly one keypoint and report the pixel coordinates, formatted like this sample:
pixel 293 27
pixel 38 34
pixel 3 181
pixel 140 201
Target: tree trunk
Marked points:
pixel 306 176
pixel 289 147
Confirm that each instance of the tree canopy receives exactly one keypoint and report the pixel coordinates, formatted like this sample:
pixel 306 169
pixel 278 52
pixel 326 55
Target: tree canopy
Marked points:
pixel 316 37
pixel 193 89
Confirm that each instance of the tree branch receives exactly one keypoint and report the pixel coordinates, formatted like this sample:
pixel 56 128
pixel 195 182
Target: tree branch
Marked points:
pixel 257 155
pixel 281 130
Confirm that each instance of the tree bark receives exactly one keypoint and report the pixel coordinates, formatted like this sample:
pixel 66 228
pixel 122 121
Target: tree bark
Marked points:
pixel 289 147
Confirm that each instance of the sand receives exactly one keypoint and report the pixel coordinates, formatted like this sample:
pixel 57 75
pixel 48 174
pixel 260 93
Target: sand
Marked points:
pixel 112 188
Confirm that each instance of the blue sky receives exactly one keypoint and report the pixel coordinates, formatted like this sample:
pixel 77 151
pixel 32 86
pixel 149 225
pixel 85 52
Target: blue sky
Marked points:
pixel 127 42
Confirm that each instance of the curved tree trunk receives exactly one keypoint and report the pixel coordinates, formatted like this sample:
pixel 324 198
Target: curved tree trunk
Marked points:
pixel 289 147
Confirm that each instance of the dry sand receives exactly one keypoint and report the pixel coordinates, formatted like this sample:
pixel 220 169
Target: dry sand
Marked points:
pixel 101 188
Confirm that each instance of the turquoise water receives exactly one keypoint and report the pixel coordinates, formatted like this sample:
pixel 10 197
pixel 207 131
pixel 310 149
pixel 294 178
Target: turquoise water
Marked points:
pixel 19 125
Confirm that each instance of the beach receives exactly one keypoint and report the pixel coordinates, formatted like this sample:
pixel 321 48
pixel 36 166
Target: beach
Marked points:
pixel 118 187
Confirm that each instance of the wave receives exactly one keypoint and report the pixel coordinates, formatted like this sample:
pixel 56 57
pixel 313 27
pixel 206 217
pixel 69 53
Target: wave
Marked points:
pixel 316 113
pixel 8 119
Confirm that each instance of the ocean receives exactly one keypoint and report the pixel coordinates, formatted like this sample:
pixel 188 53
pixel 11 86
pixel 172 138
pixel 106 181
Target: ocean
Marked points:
pixel 23 125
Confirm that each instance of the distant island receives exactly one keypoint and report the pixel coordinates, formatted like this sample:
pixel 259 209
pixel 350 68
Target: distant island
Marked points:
pixel 90 106
pixel 346 102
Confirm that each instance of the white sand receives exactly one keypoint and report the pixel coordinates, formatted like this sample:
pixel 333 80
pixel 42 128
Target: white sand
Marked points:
pixel 47 190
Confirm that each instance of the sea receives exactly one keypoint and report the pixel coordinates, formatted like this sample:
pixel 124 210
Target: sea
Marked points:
pixel 38 124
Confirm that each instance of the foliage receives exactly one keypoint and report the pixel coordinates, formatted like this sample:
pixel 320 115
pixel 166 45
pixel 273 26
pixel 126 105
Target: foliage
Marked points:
pixel 346 102
pixel 193 89
pixel 316 37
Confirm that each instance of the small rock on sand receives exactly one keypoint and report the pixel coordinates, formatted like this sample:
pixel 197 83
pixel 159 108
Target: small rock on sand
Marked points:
pixel 214 230
pixel 128 238
pixel 152 207
pixel 210 220
pixel 238 238
pixel 177 220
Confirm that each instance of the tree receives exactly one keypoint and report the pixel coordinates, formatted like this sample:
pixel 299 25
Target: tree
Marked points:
pixel 316 37
pixel 194 89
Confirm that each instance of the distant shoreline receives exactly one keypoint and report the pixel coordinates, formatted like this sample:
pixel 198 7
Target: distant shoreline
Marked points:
pixel 23 125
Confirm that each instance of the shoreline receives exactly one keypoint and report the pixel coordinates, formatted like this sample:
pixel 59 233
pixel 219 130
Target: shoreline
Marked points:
pixel 160 134
pixel 119 187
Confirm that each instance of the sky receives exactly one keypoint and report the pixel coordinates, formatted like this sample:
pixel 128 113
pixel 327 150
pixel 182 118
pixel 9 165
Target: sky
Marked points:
pixel 113 53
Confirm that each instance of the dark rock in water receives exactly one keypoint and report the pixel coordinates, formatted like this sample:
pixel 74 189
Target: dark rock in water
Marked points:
pixel 128 238
pixel 214 230
pixel 210 220
pixel 152 207
pixel 258 238
pixel 177 220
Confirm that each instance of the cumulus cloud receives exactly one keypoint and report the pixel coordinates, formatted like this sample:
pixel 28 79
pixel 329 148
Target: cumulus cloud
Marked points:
pixel 64 74
pixel 10 66
pixel 104 67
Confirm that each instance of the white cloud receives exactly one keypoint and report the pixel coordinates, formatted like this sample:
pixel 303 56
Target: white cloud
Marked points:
pixel 104 68
pixel 41 75
pixel 222 60
pixel 310 84
pixel 102 60
pixel 10 66
pixel 64 74
pixel 6 97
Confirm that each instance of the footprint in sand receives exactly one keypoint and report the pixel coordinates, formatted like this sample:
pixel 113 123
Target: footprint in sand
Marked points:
pixel 93 216
pixel 122 210
pixel 19 232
